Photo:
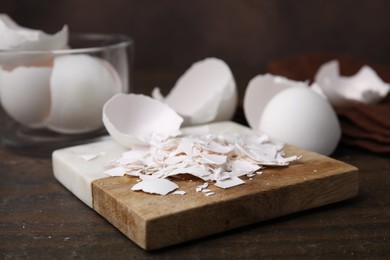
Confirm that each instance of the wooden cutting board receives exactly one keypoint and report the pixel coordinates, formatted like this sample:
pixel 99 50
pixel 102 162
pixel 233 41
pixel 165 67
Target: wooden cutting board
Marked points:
pixel 155 221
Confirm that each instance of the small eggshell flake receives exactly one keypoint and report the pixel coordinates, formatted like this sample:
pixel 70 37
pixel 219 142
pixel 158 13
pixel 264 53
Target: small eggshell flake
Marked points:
pixel 206 92
pixel 179 192
pixel 133 156
pixel 228 183
pixel 244 166
pixel 156 186
pixel 365 86
pixel 215 147
pixel 88 157
pixel 132 119
pixel 301 117
pixel 15 37
pixel 214 159
pixel 259 91
pixel 117 171
pixel 80 85
pixel 25 94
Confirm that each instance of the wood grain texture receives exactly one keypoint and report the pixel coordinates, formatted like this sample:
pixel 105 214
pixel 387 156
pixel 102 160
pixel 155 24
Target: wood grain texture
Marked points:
pixel 154 221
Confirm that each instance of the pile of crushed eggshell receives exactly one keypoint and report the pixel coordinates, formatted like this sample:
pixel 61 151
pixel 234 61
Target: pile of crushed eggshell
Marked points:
pixel 220 159
pixel 275 107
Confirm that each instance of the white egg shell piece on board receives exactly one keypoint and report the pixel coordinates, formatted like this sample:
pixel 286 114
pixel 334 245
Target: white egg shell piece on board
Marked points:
pixel 259 91
pixel 15 37
pixel 25 94
pixel 80 85
pixel 133 119
pixel 301 117
pixel 205 93
pixel 365 86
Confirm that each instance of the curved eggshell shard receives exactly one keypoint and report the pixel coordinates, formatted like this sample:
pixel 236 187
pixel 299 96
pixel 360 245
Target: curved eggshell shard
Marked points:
pixel 132 119
pixel 80 86
pixel 365 86
pixel 206 92
pixel 259 92
pixel 17 41
pixel 25 94
pixel 301 117
pixel 15 37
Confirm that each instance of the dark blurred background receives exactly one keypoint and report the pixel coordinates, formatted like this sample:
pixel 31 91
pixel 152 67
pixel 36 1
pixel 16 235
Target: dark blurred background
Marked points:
pixel 285 37
pixel 247 34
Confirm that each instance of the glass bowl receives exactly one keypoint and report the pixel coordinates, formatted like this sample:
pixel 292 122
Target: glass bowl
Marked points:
pixel 54 99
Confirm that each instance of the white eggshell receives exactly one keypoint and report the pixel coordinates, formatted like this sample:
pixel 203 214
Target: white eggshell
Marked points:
pixel 16 40
pixel 132 119
pixel 80 85
pixel 206 92
pixel 259 91
pixel 365 86
pixel 25 94
pixel 301 117
pixel 15 37
pixel 155 185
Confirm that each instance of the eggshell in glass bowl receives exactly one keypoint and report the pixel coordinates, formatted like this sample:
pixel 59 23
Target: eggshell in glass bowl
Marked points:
pixel 25 94
pixel 21 46
pixel 80 85
pixel 16 37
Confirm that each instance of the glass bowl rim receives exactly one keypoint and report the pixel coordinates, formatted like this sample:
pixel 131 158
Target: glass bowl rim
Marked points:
pixel 119 41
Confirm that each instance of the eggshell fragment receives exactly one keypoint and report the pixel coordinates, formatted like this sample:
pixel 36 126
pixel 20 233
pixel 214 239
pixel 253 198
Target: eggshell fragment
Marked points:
pixel 206 92
pixel 133 119
pixel 365 86
pixel 259 91
pixel 80 85
pixel 25 94
pixel 228 183
pixel 155 185
pixel 15 37
pixel 301 117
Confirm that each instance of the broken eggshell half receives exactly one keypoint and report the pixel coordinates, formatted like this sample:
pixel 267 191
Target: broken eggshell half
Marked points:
pixel 134 119
pixel 205 93
pixel 364 87
pixel 291 112
pixel 259 91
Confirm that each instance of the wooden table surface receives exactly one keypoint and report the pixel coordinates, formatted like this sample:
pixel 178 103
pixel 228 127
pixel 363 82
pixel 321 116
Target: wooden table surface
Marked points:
pixel 39 218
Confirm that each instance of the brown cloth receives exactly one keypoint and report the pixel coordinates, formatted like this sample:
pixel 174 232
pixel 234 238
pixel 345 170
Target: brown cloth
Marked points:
pixel 363 125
